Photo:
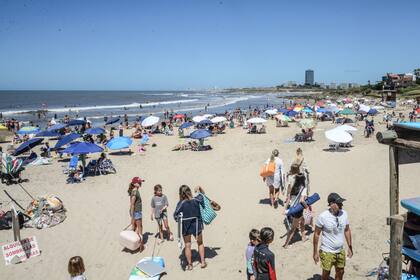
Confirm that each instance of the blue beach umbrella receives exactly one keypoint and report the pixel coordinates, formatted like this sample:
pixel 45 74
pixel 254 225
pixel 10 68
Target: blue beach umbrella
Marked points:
pixel 283 110
pixel 321 110
pixel 76 122
pixel 186 125
pixel 307 110
pixel 82 148
pixel 119 143
pixel 200 134
pixel 291 113
pixel 205 122
pixel 95 130
pixel 372 112
pixel 28 130
pixel 112 121
pixel 66 139
pixel 48 133
pixel 27 146
pixel 57 126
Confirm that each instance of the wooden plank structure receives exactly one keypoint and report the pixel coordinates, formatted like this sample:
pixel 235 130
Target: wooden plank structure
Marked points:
pixel 404 148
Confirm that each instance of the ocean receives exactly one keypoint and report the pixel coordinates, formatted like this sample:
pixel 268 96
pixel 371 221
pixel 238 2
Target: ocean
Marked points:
pixel 95 105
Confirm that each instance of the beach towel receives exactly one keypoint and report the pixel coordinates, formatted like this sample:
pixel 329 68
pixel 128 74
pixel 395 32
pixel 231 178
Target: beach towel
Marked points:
pixel 207 212
pixel 299 207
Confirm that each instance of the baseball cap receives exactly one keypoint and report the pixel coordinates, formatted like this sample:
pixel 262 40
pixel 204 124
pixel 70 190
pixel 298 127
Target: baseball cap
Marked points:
pixel 136 180
pixel 335 198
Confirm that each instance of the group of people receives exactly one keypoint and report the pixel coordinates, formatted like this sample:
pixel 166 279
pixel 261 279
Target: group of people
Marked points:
pixel 332 225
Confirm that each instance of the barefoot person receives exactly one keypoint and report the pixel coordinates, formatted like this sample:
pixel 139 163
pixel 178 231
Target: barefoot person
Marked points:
pixel 160 212
pixel 334 226
pixel 136 208
pixel 274 183
pixel 192 223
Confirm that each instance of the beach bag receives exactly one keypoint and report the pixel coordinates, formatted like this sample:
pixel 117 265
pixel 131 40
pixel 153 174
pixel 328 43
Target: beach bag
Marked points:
pixel 207 212
pixel 307 215
pixel 268 169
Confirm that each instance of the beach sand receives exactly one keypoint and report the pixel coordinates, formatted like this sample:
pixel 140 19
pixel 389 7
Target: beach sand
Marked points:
pixel 98 207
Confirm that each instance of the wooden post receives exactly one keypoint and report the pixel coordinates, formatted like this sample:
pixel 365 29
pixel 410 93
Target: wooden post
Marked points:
pixel 15 224
pixel 393 181
pixel 395 258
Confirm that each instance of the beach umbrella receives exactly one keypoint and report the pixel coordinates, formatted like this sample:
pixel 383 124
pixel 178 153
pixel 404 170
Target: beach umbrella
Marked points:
pixel 76 122
pixel 218 119
pixel 95 130
pixel 298 108
pixel 186 125
pixel 256 120
pixel 119 143
pixel 198 119
pixel 205 122
pixel 291 113
pixel 208 116
pixel 82 148
pixel 150 121
pixel 347 111
pixel 307 110
pixel 283 110
pixel 306 123
pixel 200 134
pixel 28 130
pixel 178 116
pixel 26 146
pixel 364 108
pixel 338 136
pixel 112 121
pixel 321 110
pixel 379 107
pixel 57 126
pixel 66 139
pixel 372 112
pixel 48 133
pixel 271 112
pixel 346 127
pixel 283 118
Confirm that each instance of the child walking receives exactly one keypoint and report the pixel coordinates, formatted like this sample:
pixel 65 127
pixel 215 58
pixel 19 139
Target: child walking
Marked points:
pixel 76 268
pixel 264 263
pixel 254 237
pixel 160 213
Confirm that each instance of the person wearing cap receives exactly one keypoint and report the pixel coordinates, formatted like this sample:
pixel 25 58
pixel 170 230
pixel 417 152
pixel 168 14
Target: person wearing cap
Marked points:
pixel 334 226
pixel 136 208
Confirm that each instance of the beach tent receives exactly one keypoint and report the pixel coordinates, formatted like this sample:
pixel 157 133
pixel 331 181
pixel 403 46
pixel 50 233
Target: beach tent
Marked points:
pixel 26 146
pixel 338 136
pixel 150 121
pixel 112 121
pixel 218 119
pixel 66 139
pixel 186 125
pixel 256 120
pixel 57 126
pixel 95 130
pixel 271 112
pixel 82 148
pixel 28 130
pixel 119 143
pixel 200 134
pixel 198 119
pixel 76 122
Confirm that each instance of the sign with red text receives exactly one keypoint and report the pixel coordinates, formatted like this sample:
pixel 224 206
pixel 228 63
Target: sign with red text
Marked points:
pixel 20 251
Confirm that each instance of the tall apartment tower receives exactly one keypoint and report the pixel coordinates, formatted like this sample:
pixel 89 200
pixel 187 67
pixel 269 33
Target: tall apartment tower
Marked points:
pixel 309 77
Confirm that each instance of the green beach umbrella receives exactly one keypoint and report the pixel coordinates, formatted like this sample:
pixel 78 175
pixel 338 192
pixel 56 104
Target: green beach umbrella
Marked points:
pixel 347 111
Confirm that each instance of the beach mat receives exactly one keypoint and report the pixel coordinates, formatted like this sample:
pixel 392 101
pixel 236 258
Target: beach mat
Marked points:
pixel 309 201
pixel 137 274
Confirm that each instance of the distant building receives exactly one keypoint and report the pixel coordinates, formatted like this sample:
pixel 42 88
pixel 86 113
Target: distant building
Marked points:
pixel 322 85
pixel 333 86
pixel 344 86
pixel 309 77
pixel 416 73
pixel 393 81
pixel 290 84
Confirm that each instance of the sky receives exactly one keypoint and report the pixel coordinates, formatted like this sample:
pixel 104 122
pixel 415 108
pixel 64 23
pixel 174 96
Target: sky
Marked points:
pixel 197 44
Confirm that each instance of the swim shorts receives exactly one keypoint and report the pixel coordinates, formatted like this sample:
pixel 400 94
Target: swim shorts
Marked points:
pixel 328 260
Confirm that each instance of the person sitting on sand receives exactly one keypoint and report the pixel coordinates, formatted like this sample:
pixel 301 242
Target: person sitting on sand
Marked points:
pixel 159 206
pixel 136 208
pixel 192 223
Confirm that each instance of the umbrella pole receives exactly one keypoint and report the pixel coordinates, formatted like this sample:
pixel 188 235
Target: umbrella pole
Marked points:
pixel 26 191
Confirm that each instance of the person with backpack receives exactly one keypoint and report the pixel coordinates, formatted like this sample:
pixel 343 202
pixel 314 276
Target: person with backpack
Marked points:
pixel 297 192
pixel 264 258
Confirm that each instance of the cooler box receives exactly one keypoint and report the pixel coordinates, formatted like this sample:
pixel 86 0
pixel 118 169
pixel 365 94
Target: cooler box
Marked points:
pixel 130 240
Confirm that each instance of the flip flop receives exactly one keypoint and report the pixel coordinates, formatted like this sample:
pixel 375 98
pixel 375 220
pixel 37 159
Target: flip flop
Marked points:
pixel 203 265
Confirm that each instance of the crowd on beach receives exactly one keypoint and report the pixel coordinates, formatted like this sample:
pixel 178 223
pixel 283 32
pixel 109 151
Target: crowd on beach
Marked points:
pixel 288 187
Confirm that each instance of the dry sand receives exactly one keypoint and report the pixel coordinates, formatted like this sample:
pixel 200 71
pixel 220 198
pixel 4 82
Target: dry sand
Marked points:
pixel 98 207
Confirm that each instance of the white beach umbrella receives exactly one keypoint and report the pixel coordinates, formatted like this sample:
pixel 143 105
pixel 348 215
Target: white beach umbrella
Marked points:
pixel 379 107
pixel 208 116
pixel 218 119
pixel 256 120
pixel 198 119
pixel 271 112
pixel 346 127
pixel 364 108
pixel 338 136
pixel 150 121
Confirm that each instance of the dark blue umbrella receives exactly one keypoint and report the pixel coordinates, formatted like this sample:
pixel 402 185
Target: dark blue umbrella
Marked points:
pixel 291 113
pixel 48 133
pixel 76 122
pixel 95 130
pixel 66 139
pixel 200 134
pixel 372 112
pixel 57 126
pixel 283 110
pixel 82 148
pixel 321 110
pixel 27 146
pixel 205 122
pixel 186 125
pixel 112 120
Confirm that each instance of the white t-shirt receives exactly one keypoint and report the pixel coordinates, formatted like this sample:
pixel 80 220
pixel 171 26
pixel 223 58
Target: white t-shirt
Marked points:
pixel 332 239
pixel 79 277
pixel 276 179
